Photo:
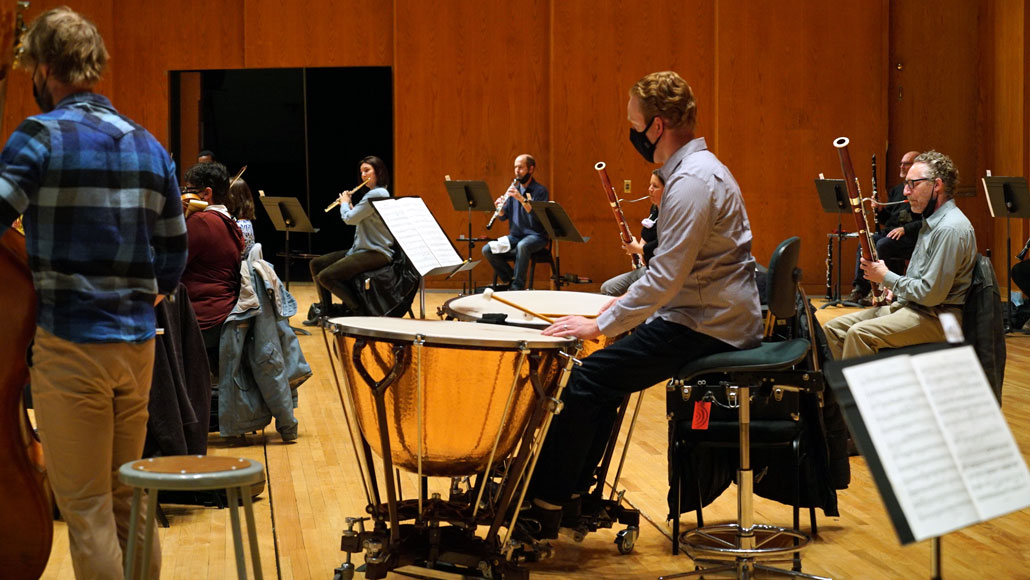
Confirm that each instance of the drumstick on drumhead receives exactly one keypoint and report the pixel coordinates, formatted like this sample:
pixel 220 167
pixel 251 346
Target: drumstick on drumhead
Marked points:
pixel 489 295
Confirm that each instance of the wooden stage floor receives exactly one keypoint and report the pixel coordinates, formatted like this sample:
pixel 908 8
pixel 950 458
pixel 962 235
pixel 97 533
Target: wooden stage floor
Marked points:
pixel 313 485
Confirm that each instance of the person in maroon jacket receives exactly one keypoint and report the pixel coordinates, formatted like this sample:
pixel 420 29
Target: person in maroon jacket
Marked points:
pixel 212 276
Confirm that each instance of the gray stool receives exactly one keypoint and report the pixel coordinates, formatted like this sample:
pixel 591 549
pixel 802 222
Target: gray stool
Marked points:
pixel 193 473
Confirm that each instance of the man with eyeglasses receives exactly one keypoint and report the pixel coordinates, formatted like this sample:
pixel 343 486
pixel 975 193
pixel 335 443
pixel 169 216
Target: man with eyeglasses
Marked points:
pixel 897 238
pixel 212 276
pixel 938 276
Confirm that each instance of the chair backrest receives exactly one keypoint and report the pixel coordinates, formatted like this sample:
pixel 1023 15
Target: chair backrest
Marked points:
pixel 783 276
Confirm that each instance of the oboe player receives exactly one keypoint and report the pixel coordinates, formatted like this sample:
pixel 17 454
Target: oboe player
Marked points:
pixel 697 297
pixel 525 233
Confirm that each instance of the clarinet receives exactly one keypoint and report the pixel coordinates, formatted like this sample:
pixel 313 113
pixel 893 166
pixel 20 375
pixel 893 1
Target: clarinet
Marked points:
pixel 829 268
pixel 613 199
pixel 504 200
pixel 1022 253
pixel 876 197
pixel 865 239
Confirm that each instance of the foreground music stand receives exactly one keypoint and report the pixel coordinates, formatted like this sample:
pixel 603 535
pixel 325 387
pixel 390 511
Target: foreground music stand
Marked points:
pixel 834 198
pixel 559 228
pixel 469 196
pixel 287 216
pixel 869 420
pixel 1007 197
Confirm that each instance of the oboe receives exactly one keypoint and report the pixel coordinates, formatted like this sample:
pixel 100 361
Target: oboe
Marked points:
pixel 613 199
pixel 504 200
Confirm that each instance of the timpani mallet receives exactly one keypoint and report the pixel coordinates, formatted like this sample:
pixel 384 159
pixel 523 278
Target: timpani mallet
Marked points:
pixel 489 295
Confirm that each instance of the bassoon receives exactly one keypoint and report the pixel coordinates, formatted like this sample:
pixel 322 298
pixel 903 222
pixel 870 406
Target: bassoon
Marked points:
pixel 613 199
pixel 865 239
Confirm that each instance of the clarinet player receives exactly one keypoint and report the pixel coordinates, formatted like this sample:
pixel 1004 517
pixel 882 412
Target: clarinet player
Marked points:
pixel 525 233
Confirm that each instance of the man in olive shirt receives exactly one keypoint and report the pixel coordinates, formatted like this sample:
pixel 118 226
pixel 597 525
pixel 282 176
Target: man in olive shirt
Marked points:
pixel 938 276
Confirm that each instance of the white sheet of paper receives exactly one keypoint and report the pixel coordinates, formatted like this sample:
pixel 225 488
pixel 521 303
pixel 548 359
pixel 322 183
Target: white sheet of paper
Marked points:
pixel 944 444
pixel 418 233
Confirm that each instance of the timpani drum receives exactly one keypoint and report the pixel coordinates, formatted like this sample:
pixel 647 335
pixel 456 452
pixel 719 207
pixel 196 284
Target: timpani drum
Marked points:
pixel 550 303
pixel 454 377
pixel 445 399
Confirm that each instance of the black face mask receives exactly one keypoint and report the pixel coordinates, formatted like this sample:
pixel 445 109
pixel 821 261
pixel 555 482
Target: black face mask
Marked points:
pixel 931 206
pixel 642 144
pixel 525 178
pixel 44 100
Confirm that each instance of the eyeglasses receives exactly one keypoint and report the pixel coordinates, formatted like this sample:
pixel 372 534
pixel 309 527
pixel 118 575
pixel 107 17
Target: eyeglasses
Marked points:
pixel 911 183
pixel 187 189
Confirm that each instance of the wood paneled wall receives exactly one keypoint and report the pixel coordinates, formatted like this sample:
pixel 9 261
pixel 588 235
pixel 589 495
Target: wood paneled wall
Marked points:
pixel 477 83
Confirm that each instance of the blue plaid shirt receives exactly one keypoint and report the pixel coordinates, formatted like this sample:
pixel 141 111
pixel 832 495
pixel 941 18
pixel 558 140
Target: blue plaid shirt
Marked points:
pixel 103 222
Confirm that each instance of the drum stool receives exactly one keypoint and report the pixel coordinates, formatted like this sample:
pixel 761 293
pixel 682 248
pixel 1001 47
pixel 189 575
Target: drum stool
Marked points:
pixel 193 473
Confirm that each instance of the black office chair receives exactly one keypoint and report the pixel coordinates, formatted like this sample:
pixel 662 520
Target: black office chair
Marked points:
pixel 772 370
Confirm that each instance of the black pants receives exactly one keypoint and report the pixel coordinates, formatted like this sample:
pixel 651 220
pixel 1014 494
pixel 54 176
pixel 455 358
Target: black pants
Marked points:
pixel 332 270
pixel 654 352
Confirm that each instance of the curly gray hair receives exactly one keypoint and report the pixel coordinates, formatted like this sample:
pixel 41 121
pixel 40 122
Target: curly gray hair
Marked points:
pixel 940 166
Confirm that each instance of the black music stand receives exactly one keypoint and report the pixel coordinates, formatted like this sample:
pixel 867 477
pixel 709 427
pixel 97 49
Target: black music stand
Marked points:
pixel 1007 197
pixel 559 228
pixel 469 196
pixel 288 216
pixel 833 196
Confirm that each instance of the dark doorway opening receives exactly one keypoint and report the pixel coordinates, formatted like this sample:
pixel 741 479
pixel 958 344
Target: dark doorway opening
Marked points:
pixel 301 132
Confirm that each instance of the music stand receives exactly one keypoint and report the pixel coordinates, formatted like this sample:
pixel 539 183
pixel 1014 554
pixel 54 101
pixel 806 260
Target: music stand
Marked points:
pixel 559 228
pixel 287 216
pixel 833 196
pixel 1007 197
pixel 469 196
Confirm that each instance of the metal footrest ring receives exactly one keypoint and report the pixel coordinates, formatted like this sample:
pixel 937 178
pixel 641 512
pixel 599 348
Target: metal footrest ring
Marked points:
pixel 725 542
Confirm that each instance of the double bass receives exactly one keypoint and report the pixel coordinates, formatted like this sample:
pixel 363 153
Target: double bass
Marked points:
pixel 26 513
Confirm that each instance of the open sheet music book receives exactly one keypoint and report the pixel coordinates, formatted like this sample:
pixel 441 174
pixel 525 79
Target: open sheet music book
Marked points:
pixel 935 440
pixel 420 236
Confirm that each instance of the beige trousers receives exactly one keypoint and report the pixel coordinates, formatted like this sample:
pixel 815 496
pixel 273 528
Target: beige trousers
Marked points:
pixel 893 326
pixel 90 402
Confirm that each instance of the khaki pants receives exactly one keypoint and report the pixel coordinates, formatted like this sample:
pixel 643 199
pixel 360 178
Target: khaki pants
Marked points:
pixel 894 326
pixel 91 408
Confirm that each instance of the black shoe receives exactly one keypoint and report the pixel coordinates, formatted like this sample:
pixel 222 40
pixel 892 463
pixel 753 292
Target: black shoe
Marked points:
pixel 537 524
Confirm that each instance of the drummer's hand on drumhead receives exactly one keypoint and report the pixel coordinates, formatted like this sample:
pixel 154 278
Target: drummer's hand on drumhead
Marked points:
pixel 577 326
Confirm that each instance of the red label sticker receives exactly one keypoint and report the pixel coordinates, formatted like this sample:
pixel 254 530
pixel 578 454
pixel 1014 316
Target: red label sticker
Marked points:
pixel 701 413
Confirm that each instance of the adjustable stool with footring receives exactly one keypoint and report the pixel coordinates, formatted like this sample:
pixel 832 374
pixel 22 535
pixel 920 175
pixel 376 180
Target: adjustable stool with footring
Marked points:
pixel 193 473
pixel 738 548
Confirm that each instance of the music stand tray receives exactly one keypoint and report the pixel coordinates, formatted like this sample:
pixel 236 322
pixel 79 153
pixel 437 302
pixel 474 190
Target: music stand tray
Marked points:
pixel 1007 197
pixel 556 222
pixel 287 216
pixel 469 195
pixel 833 196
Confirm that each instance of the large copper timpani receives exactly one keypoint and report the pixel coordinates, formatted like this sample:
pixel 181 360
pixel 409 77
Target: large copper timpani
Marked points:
pixel 554 304
pixel 444 398
pixel 550 303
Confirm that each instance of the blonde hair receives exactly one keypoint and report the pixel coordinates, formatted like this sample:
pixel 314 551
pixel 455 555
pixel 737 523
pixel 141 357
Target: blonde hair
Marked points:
pixel 666 95
pixel 68 44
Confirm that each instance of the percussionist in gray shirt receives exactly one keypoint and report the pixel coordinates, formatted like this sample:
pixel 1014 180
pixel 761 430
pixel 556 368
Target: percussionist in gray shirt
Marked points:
pixel 938 276
pixel 698 297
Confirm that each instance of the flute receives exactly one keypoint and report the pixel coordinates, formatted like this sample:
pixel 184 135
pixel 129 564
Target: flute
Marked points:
pixel 504 200
pixel 351 192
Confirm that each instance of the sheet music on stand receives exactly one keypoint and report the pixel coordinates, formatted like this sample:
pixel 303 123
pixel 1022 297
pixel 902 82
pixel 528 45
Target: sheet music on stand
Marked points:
pixel 420 236
pixel 934 438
